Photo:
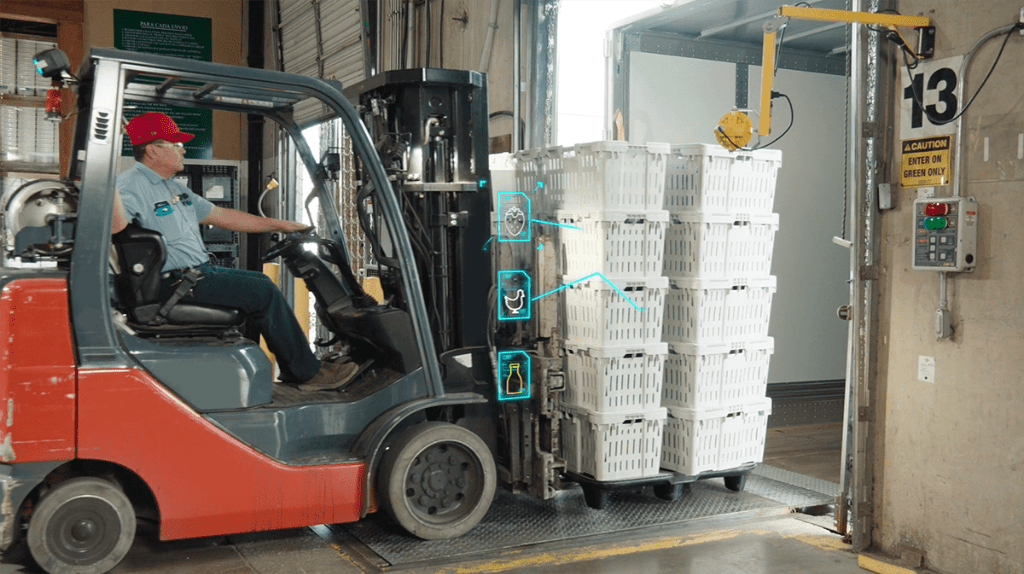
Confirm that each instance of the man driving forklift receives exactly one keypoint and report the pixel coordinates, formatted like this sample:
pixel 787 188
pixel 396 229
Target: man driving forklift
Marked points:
pixel 147 195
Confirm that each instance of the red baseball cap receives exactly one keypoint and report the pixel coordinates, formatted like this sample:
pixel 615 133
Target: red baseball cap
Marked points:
pixel 152 126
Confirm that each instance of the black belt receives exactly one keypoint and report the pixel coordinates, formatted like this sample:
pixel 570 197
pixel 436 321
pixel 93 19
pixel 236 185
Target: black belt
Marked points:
pixel 187 281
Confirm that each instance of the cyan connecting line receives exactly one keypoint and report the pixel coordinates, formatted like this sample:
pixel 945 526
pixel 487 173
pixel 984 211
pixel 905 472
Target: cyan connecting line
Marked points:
pixel 617 290
pixel 486 242
pixel 555 224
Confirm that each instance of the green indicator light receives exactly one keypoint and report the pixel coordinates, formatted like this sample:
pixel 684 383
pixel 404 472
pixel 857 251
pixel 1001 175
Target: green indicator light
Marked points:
pixel 934 223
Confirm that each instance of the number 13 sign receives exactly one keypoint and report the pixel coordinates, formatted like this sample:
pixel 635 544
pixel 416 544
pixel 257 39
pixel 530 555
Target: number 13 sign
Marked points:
pixel 935 85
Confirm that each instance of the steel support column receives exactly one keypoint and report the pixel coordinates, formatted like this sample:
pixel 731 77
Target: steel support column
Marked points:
pixel 869 143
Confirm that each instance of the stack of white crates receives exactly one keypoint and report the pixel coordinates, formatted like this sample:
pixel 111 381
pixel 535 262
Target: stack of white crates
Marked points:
pixel 25 134
pixel 607 201
pixel 718 250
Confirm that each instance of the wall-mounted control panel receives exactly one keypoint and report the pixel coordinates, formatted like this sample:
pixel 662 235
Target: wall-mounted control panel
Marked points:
pixel 945 234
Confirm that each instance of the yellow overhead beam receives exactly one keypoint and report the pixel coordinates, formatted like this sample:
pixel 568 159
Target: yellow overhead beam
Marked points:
pixel 891 21
pixel 870 18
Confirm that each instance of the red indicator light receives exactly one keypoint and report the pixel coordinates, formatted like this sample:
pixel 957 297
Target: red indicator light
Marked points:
pixel 936 208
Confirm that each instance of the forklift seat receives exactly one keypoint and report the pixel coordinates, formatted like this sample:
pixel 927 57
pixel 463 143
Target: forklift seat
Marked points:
pixel 141 254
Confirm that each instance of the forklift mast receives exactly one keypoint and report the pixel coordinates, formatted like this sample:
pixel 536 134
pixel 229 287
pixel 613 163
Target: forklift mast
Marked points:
pixel 429 127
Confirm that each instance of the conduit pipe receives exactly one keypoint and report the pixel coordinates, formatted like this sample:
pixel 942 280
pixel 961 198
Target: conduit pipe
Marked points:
pixel 408 34
pixel 492 25
pixel 960 98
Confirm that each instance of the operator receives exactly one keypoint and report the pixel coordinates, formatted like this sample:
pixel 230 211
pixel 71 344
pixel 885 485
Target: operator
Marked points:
pixel 146 193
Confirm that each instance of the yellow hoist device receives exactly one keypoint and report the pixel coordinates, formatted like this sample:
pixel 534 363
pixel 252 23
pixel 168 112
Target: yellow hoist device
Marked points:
pixel 735 128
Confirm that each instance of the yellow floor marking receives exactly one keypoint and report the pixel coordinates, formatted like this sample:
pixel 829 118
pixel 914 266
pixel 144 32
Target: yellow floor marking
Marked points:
pixel 823 542
pixel 593 553
pixel 874 565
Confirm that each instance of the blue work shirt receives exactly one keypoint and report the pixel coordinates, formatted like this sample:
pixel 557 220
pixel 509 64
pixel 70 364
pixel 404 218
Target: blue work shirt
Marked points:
pixel 170 208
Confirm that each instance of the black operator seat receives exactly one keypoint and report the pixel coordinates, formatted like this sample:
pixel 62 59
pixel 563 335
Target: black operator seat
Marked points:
pixel 141 255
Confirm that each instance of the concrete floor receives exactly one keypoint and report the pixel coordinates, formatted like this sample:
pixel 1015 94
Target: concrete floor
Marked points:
pixel 786 545
pixel 721 545
pixel 812 450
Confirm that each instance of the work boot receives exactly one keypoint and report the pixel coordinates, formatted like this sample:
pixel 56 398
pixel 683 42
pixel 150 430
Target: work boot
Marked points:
pixel 330 376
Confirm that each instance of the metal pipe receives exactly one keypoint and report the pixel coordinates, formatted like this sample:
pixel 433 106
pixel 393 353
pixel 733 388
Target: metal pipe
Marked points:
pixel 854 157
pixel 492 25
pixel 275 28
pixel 408 34
pixel 960 98
pixel 531 88
pixel 867 143
pixel 424 30
pixel 853 118
pixel 517 72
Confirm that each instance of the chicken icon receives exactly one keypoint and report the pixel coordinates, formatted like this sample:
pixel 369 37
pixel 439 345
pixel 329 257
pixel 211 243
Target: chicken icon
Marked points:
pixel 514 304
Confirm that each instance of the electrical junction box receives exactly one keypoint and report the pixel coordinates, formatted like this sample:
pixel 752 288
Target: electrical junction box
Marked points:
pixel 945 234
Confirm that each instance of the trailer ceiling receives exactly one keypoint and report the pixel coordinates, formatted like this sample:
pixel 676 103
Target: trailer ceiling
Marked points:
pixel 738 23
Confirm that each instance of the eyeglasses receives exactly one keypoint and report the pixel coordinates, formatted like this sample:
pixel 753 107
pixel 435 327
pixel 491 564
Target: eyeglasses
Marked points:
pixel 176 145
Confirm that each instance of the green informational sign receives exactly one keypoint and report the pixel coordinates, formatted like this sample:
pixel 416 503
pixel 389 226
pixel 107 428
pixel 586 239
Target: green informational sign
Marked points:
pixel 169 35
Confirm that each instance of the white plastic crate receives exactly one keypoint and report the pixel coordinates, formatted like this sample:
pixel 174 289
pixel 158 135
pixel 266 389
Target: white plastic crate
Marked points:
pixel 25 70
pixel 743 435
pixel 613 243
pixel 611 175
pixel 725 376
pixel 28 122
pixel 709 178
pixel 719 246
pixel 599 314
pixel 612 446
pixel 8 65
pixel 503 168
pixel 9 150
pixel 697 441
pixel 709 311
pixel 545 199
pixel 614 379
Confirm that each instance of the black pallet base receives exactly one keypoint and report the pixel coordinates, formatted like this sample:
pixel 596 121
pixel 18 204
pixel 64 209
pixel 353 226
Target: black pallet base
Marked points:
pixel 666 485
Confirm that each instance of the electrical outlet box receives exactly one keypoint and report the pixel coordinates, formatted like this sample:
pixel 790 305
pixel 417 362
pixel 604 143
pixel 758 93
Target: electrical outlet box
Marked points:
pixel 945 234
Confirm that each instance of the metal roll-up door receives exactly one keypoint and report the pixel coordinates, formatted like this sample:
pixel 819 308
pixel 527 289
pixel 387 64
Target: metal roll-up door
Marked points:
pixel 322 39
pixel 342 42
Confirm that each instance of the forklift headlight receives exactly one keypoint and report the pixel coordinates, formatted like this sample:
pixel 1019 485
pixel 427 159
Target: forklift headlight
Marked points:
pixel 51 63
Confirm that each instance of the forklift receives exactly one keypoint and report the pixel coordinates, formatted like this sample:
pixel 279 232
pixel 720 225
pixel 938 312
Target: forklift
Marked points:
pixel 113 416
pixel 122 406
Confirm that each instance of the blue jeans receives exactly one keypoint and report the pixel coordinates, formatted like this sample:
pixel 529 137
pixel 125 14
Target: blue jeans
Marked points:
pixel 255 295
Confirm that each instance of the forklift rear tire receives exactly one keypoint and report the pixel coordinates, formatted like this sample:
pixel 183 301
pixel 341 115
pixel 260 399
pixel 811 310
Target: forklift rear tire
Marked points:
pixel 81 526
pixel 437 480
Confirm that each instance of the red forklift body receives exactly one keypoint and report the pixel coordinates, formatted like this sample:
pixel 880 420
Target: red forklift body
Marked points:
pixel 126 417
pixel 37 379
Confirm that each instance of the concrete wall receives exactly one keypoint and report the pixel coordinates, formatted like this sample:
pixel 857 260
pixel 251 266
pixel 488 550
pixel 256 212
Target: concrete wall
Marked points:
pixel 949 454
pixel 229 47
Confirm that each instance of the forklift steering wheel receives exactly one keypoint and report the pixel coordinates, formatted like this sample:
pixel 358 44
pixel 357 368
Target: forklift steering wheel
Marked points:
pixel 288 243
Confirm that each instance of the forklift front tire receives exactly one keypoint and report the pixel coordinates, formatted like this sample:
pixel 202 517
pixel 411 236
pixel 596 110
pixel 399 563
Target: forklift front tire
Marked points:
pixel 81 526
pixel 437 480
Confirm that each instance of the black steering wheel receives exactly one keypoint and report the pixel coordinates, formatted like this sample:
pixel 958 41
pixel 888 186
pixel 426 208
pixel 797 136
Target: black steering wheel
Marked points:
pixel 286 244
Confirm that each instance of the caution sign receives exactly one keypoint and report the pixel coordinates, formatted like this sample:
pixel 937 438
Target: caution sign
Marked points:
pixel 925 162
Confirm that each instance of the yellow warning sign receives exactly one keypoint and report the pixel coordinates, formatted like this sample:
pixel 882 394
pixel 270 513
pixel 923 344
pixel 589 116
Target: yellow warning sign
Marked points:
pixel 925 162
